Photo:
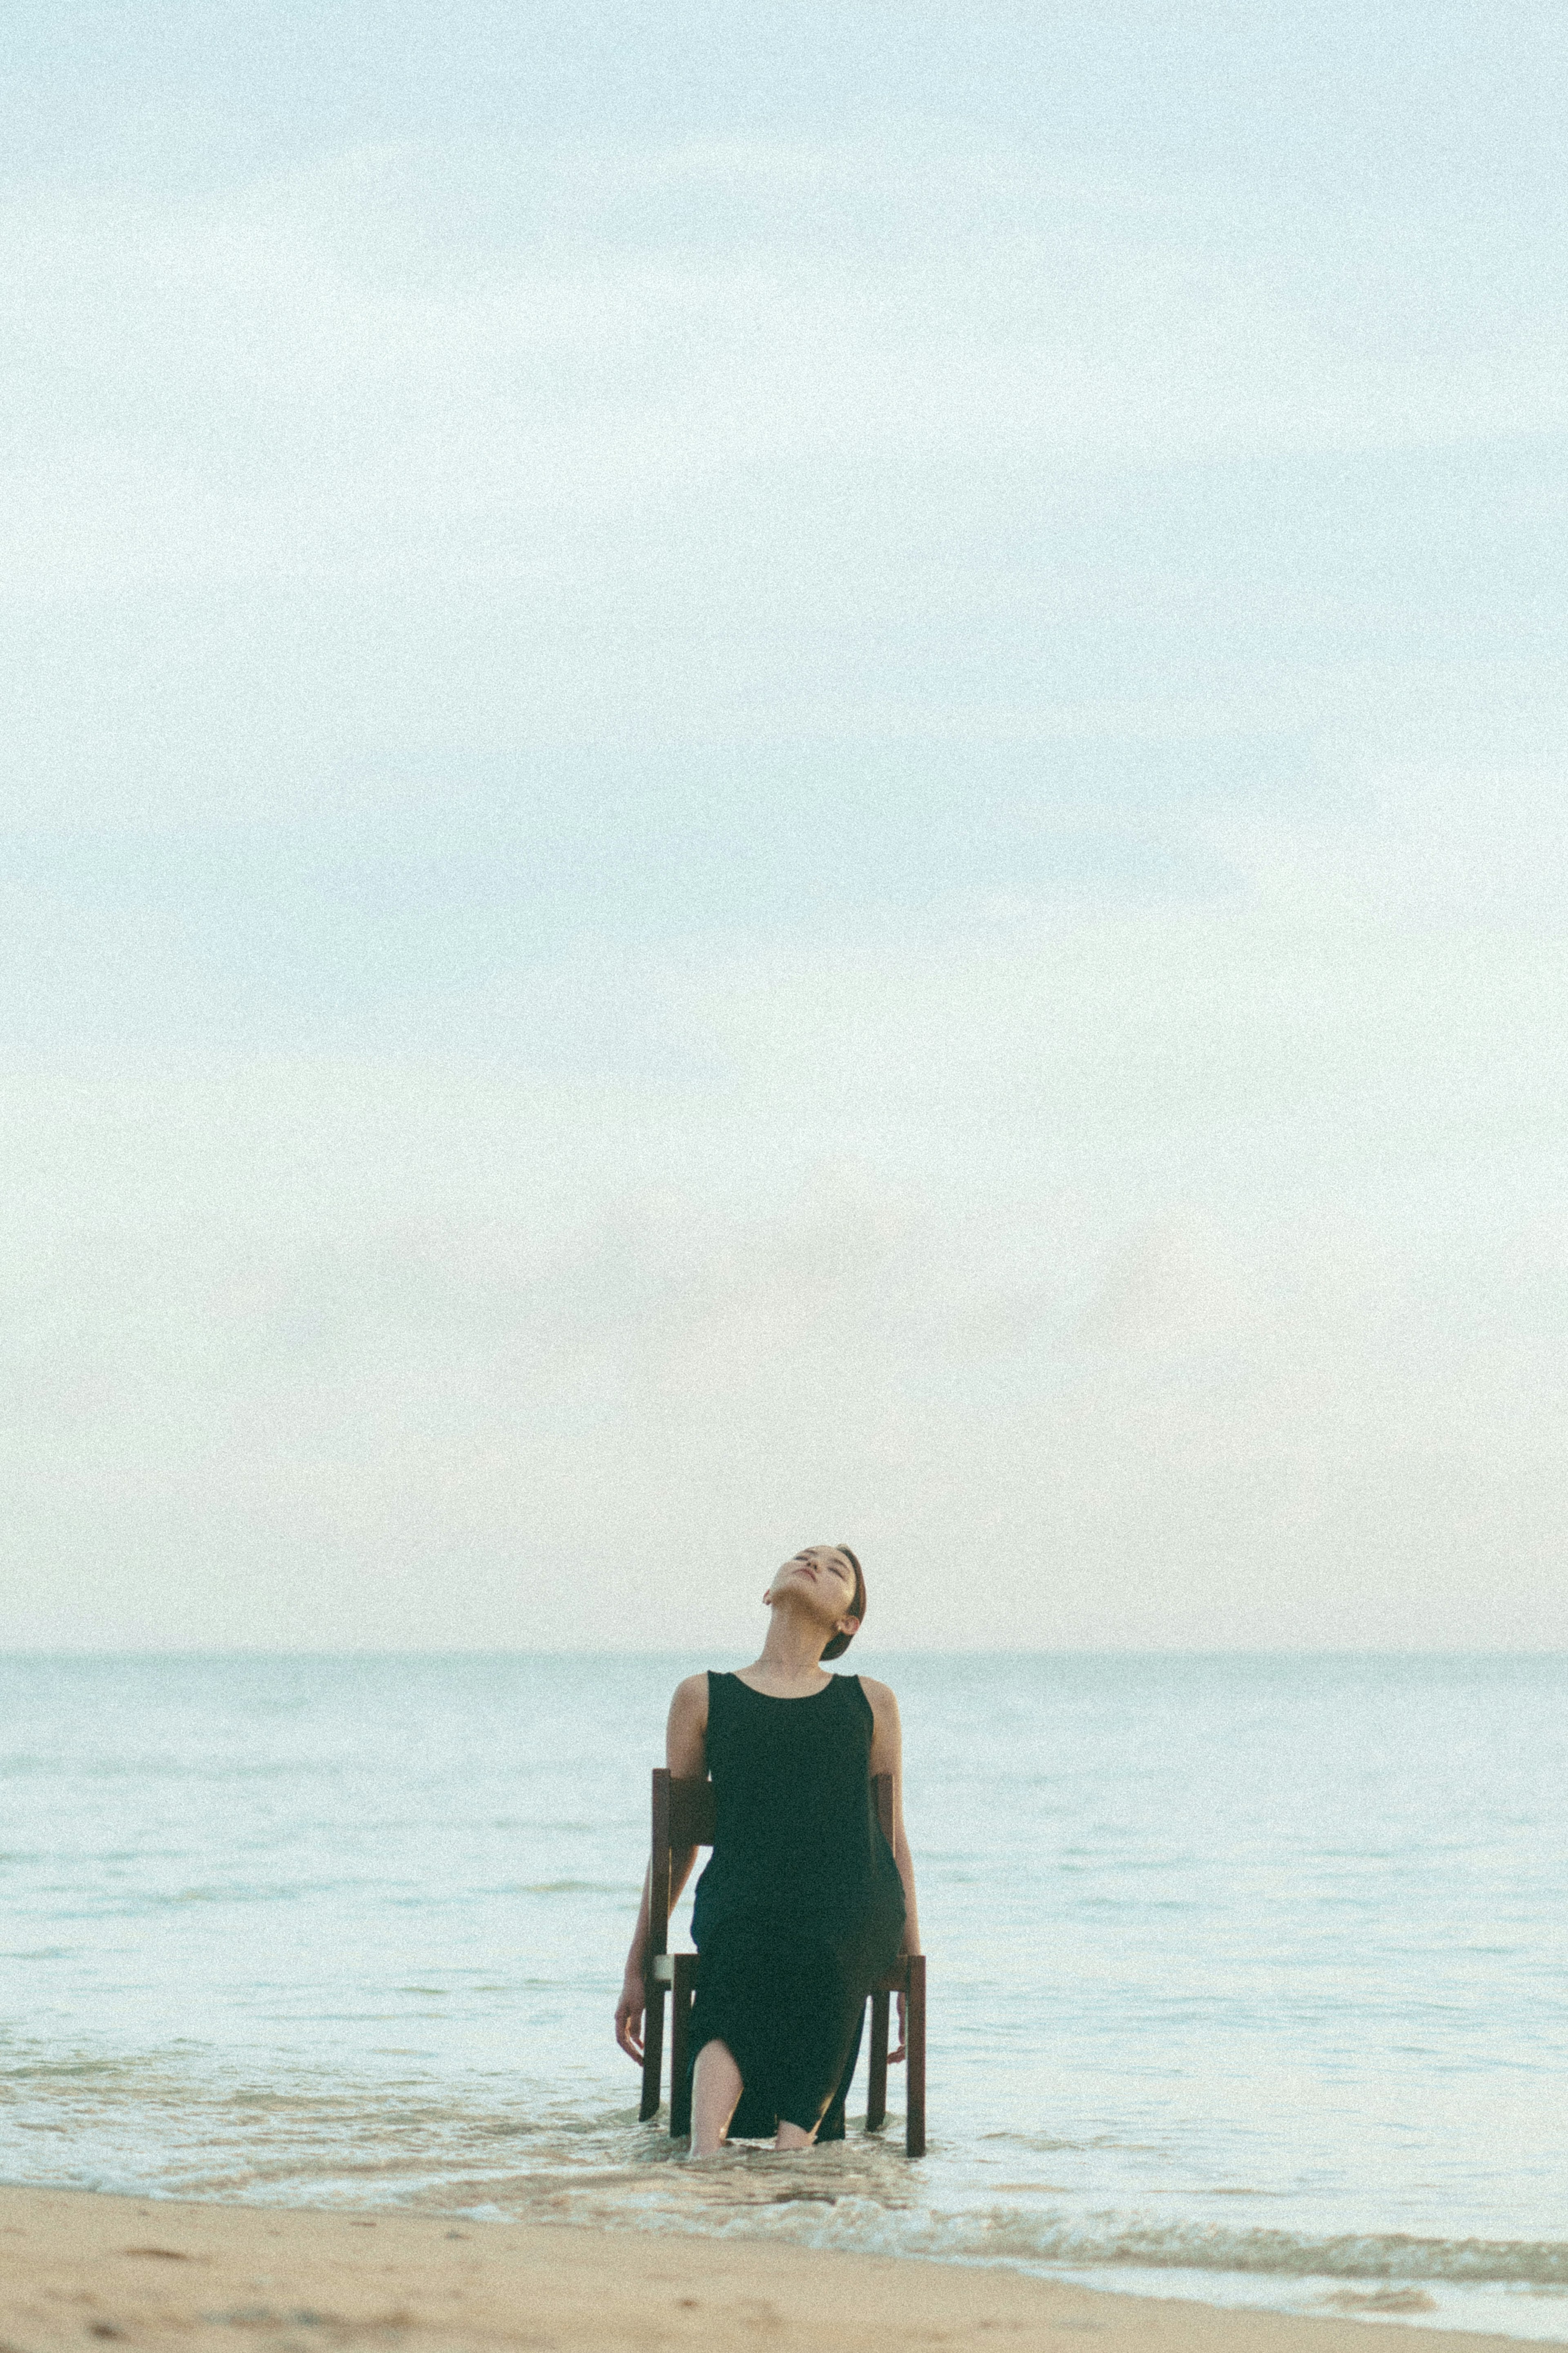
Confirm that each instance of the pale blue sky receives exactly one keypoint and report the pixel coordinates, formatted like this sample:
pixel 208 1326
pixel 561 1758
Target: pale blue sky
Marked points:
pixel 785 774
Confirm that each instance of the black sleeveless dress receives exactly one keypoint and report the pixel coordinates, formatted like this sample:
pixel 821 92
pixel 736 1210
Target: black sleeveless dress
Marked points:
pixel 800 1908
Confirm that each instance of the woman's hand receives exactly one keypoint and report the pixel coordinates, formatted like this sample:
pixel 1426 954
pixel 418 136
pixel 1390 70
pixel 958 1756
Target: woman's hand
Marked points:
pixel 629 2017
pixel 894 2056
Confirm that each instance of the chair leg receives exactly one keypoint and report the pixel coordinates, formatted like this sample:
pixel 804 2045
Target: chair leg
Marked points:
pixel 679 2026
pixel 652 2051
pixel 877 2065
pixel 915 2060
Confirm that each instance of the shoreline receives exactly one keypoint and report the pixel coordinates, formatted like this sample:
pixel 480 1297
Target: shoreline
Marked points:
pixel 82 2268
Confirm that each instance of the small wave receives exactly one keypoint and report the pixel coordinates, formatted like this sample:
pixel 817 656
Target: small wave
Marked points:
pixel 566 1887
pixel 1116 2242
pixel 1380 2299
pixel 1539 2262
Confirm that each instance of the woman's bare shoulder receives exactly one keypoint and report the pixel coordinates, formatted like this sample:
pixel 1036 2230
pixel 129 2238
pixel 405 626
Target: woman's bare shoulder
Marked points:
pixel 879 1694
pixel 687 1732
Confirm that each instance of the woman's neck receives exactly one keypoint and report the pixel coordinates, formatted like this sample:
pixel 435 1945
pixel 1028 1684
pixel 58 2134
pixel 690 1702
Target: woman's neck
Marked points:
pixel 791 1657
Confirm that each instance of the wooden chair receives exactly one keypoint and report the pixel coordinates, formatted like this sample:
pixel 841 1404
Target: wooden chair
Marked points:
pixel 682 1817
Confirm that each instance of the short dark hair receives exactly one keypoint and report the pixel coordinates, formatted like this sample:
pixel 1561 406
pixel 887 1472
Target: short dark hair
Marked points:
pixel 840 1642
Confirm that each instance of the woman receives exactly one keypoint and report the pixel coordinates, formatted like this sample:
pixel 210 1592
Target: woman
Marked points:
pixel 803 1903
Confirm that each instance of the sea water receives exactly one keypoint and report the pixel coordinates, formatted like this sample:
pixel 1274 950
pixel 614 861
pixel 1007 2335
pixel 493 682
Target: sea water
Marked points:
pixel 1246 1973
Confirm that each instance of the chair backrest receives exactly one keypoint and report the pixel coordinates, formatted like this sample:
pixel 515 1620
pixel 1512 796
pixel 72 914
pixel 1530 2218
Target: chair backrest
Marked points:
pixel 683 1816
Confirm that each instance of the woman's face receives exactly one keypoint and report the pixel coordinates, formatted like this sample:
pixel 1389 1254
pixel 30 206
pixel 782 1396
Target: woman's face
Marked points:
pixel 818 1578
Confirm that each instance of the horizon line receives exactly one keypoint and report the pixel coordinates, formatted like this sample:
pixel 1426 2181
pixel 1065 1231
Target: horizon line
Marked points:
pixel 911 1651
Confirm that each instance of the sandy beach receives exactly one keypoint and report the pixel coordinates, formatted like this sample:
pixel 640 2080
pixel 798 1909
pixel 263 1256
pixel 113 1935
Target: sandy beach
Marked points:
pixel 77 2267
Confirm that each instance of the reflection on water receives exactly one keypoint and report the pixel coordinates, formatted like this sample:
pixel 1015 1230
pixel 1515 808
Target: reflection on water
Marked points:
pixel 1243 1970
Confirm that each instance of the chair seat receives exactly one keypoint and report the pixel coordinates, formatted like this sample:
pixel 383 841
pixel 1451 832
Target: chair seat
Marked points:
pixel 895 1981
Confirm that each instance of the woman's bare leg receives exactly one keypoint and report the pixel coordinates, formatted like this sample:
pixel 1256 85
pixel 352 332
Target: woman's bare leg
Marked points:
pixel 715 2094
pixel 791 2137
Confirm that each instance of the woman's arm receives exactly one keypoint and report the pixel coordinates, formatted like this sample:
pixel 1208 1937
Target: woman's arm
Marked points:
pixel 888 1757
pixel 685 1754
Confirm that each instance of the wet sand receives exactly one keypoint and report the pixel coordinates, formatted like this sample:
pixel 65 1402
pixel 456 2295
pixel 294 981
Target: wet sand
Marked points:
pixel 82 2270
